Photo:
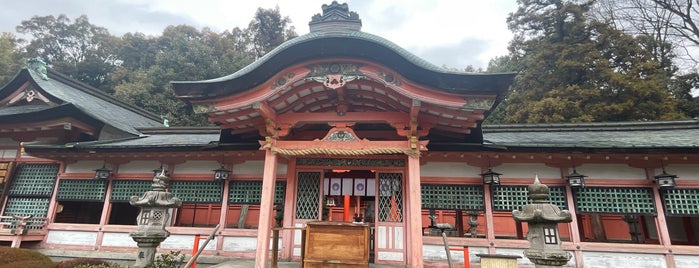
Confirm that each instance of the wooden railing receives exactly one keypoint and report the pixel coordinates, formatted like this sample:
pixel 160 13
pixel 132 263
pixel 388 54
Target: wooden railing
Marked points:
pixel 275 243
pixel 21 228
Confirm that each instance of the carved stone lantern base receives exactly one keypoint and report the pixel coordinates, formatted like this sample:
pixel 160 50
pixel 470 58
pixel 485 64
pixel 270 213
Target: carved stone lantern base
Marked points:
pixel 547 258
pixel 147 247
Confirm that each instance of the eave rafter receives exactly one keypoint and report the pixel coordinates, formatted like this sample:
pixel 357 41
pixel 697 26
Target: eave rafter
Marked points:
pixel 66 124
pixel 325 117
pixel 284 102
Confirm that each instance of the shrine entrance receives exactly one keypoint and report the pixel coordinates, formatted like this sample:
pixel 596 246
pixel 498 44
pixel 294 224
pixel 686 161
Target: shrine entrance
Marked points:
pixel 371 194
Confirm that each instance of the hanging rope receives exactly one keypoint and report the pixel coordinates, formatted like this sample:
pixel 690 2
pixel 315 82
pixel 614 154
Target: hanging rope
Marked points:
pixel 345 152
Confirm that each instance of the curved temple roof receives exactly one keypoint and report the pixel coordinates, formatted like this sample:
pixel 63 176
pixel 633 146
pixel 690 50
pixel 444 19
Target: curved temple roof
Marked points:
pixel 344 43
pixel 73 99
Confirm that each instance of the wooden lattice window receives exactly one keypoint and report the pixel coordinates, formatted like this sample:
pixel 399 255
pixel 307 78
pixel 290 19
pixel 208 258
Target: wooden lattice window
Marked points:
pixel 390 197
pixel 197 191
pixel 80 201
pixel 307 192
pixel 250 192
pixel 34 180
pixel 28 206
pixel 452 197
pixel 123 190
pixel 513 197
pixel 30 192
pixel 81 190
pixel 681 202
pixel 5 171
pixel 615 200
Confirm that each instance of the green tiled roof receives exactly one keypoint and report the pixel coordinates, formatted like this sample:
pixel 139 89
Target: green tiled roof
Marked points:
pixel 667 134
pixel 593 136
pixel 344 44
pixel 98 105
pixel 82 100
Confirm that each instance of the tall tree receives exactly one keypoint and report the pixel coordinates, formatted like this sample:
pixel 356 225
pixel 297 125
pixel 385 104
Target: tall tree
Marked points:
pixel 268 30
pixel 9 57
pixel 181 53
pixel 575 70
pixel 672 35
pixel 79 49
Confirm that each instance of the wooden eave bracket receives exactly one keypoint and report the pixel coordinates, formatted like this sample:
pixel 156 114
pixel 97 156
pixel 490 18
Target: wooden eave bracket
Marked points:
pixel 272 127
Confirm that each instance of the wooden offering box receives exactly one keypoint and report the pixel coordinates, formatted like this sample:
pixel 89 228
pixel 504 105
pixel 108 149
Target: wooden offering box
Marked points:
pixel 336 245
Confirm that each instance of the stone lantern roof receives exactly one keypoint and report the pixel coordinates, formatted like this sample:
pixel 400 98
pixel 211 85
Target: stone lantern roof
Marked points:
pixel 540 210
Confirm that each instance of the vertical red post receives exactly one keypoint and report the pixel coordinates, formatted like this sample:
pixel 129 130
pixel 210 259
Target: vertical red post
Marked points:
pixel 346 209
pixel 467 258
pixel 195 249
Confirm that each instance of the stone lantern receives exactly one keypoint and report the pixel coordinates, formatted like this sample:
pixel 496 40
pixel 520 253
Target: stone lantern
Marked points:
pixel 152 219
pixel 542 218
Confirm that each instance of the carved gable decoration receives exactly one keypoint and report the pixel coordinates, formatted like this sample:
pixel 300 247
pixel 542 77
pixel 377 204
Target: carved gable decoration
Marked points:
pixel 26 94
pixel 341 134
pixel 334 75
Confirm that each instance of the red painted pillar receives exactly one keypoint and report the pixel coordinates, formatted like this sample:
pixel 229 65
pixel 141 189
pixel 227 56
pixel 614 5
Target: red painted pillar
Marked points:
pixel 414 211
pixel 490 225
pixel 574 227
pixel 661 222
pixel 346 209
pixel 267 202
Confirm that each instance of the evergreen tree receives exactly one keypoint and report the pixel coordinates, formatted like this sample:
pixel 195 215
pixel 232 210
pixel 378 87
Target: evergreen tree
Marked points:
pixel 79 49
pixel 9 57
pixel 572 69
pixel 268 30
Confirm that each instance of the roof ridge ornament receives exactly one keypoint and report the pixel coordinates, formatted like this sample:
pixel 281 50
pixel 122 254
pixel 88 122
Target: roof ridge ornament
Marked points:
pixel 335 17
pixel 39 66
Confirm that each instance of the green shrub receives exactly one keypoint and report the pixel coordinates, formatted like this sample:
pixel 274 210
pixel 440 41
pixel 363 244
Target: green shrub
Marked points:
pixel 99 265
pixel 174 259
pixel 23 258
pixel 86 263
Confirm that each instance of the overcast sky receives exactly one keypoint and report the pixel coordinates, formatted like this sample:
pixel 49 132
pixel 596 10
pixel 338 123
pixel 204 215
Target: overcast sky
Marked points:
pixel 452 33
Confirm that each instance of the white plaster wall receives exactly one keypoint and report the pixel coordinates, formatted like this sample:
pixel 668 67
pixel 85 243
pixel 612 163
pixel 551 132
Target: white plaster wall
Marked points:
pixel 636 260
pixel 684 172
pixel 523 260
pixel 8 153
pixel 390 256
pixel 24 155
pixel 281 168
pixel 527 171
pixel 449 169
pixel 186 242
pixel 196 167
pixel 72 238
pixel 240 243
pixel 686 261
pixel 86 166
pixel 437 253
pixel 139 166
pixel 256 167
pixel 8 142
pixel 398 237
pixel 611 171
pixel 118 240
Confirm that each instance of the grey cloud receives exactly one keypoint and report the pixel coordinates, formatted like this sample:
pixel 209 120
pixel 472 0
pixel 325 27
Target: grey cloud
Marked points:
pixel 118 18
pixel 456 56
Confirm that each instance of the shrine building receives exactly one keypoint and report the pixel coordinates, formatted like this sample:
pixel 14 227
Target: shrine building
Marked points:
pixel 339 125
